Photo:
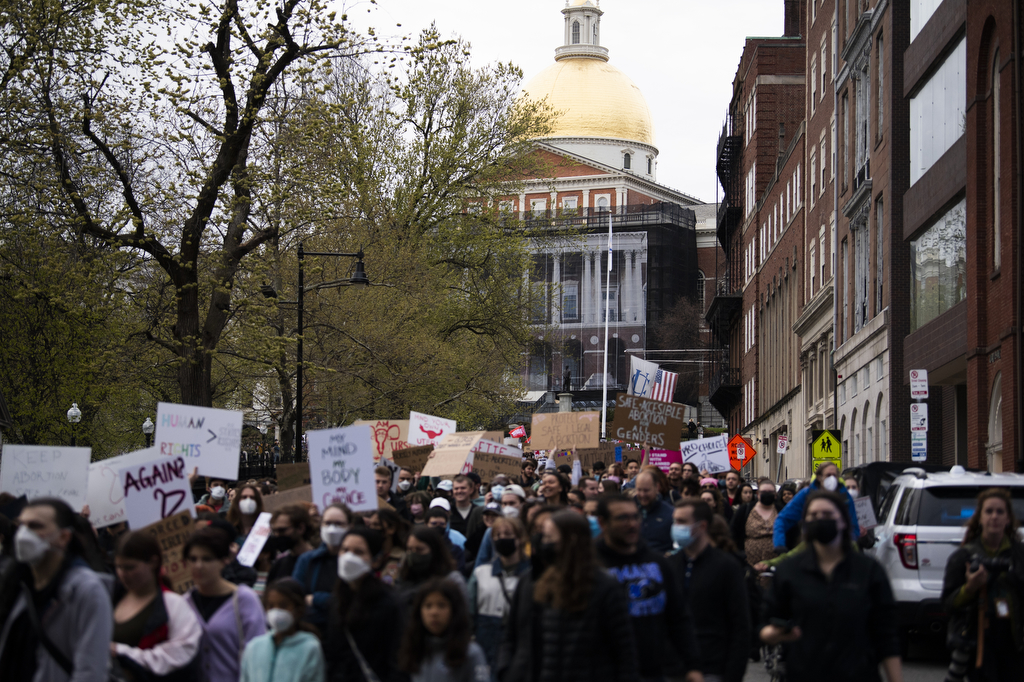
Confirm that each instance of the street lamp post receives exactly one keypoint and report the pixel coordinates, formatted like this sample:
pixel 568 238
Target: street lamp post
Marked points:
pixel 74 416
pixel 148 427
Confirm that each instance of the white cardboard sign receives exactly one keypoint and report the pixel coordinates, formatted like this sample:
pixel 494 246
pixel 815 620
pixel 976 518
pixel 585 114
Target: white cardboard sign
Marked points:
pixel 427 430
pixel 341 467
pixel 155 490
pixel 919 417
pixel 205 437
pixel 919 384
pixel 46 471
pixel 257 537
pixel 106 493
pixel 865 514
pixel 708 454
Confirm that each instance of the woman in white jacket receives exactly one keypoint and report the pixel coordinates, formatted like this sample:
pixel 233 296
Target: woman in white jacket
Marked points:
pixel 156 632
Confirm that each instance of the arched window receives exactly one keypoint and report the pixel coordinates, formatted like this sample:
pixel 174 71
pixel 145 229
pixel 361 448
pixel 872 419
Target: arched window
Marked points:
pixel 627 161
pixel 997 242
pixel 575 33
pixel 995 426
pixel 650 165
pixel 602 204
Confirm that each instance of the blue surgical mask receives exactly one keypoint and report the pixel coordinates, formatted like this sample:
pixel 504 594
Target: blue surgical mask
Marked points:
pixel 682 535
pixel 595 527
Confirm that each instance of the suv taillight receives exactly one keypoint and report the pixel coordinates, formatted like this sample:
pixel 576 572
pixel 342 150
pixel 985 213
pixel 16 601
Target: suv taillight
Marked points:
pixel 906 545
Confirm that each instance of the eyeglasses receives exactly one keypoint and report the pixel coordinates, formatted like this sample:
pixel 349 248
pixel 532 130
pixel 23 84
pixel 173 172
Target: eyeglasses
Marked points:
pixel 622 518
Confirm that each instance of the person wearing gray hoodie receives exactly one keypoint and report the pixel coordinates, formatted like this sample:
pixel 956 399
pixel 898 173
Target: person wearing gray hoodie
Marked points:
pixel 60 627
pixel 438 644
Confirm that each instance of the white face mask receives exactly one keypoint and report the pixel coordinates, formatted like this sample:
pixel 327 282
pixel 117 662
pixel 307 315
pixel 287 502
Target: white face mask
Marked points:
pixel 404 485
pixel 29 548
pixel 510 511
pixel 830 483
pixel 853 492
pixel 247 506
pixel 332 535
pixel 280 620
pixel 352 567
pixel 217 492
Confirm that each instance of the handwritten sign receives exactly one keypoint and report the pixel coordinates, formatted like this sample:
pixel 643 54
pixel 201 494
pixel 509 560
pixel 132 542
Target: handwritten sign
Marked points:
pixel 301 495
pixel 426 430
pixel 254 542
pixel 556 430
pixel 865 514
pixel 488 465
pixel 708 454
pixel 450 456
pixel 665 458
pixel 172 533
pixel 156 490
pixel 413 459
pixel 204 437
pixel 605 452
pixel 341 467
pixel 647 421
pixel 292 475
pixel 106 493
pixel 46 471
pixel 388 435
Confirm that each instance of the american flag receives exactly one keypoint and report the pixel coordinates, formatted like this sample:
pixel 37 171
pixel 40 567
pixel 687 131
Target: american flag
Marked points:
pixel 664 386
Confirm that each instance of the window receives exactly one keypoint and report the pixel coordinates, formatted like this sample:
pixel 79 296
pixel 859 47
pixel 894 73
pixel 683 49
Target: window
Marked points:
pixel 938 267
pixel 611 299
pixel 861 272
pixel 603 203
pixel 814 179
pixel 880 81
pixel 750 117
pixel 821 252
pixel 569 205
pixel 846 139
pixel 937 112
pixel 570 301
pixel 575 33
pixel 751 188
pixel 995 424
pixel 880 254
pixel 700 289
pixel 835 47
pixel 997 242
pixel 814 85
pixel 537 207
pixel 796 185
pixel 824 175
pixel 813 270
pixel 861 132
pixel 650 165
pixel 845 320
pixel 824 68
pixel 626 161
pixel 507 206
pixel 833 157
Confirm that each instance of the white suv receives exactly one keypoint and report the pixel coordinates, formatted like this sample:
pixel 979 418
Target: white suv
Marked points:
pixel 921 523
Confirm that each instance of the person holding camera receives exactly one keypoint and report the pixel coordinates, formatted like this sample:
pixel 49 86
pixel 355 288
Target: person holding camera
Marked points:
pixel 983 589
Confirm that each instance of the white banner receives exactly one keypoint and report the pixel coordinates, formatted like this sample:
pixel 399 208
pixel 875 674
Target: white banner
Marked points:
pixel 341 467
pixel 155 490
pixel 46 471
pixel 106 493
pixel 708 454
pixel 641 376
pixel 427 430
pixel 204 437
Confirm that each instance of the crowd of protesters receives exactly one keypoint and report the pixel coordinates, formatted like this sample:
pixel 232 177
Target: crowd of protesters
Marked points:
pixel 625 573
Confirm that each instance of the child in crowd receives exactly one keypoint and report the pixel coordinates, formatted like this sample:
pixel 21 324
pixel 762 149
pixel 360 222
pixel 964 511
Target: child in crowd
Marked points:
pixel 291 651
pixel 438 644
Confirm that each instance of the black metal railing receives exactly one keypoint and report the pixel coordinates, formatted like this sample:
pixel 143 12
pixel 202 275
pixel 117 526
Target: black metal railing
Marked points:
pixel 724 377
pixel 632 215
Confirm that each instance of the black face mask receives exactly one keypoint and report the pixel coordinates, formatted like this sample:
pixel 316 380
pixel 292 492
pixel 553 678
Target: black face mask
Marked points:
pixel 767 497
pixel 821 530
pixel 279 543
pixel 419 564
pixel 505 547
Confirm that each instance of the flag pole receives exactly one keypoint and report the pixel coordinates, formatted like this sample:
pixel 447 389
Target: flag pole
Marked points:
pixel 607 307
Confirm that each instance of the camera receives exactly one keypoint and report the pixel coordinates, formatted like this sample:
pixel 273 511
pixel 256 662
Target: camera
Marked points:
pixel 959 663
pixel 994 565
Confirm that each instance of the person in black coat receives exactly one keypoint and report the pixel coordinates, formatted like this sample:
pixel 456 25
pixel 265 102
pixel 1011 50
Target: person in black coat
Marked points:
pixel 831 605
pixel 571 623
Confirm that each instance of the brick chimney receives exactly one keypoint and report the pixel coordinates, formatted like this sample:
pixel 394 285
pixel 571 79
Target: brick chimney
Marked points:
pixel 795 14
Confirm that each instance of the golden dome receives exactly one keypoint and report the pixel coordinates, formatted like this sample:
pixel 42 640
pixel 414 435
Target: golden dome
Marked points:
pixel 596 100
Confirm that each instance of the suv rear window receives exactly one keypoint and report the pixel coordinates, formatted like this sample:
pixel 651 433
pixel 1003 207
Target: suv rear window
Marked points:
pixel 954 505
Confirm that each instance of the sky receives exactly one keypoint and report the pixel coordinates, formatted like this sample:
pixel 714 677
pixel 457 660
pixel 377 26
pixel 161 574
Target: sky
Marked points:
pixel 682 54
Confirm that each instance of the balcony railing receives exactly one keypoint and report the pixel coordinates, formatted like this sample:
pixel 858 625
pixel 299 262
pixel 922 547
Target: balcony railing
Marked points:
pixel 635 215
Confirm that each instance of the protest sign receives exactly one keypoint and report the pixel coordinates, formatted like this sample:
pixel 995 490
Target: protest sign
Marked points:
pixel 155 490
pixel 865 514
pixel 640 420
pixel 450 455
pixel 205 437
pixel 488 465
pixel 708 454
pixel 46 471
pixel 665 458
pixel 413 459
pixel 388 435
pixel 605 452
pixel 171 534
pixel 292 475
pixel 254 542
pixel 301 495
pixel 427 430
pixel 106 494
pixel 554 430
pixel 341 467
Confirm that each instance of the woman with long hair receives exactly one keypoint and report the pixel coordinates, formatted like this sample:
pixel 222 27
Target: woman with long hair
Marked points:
pixel 752 524
pixel 554 488
pixel 246 507
pixel 717 503
pixel 986 575
pixel 419 504
pixel 426 557
pixel 832 598
pixel 156 634
pixel 572 622
pixel 395 531
pixel 438 644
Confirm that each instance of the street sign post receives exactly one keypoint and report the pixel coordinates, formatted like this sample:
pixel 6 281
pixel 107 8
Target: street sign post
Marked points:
pixel 919 417
pixel 919 449
pixel 783 444
pixel 826 446
pixel 919 384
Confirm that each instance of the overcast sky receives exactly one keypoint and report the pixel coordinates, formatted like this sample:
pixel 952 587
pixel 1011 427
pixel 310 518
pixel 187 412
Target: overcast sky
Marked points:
pixel 682 54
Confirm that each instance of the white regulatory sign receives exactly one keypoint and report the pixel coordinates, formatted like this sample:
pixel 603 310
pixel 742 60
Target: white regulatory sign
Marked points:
pixel 919 417
pixel 783 444
pixel 919 450
pixel 919 384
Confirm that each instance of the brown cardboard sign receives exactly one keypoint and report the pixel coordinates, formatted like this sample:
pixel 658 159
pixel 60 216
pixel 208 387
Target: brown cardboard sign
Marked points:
pixel 413 459
pixel 449 456
pixel 304 493
pixel 172 533
pixel 551 431
pixel 603 453
pixel 639 420
pixel 488 465
pixel 292 475
pixel 388 435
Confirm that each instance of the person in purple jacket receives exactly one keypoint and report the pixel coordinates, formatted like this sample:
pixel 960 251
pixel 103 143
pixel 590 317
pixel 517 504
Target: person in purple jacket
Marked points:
pixel 229 614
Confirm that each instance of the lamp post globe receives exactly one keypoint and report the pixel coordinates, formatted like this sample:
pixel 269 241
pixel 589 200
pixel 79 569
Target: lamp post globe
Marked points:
pixel 148 427
pixel 74 416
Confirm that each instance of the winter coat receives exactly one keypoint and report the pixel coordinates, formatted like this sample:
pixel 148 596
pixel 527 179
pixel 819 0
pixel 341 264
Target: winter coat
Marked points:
pixel 78 620
pixel 793 513
pixel 550 645
pixel 377 632
pixel 298 659
pixel 317 571
pixel 491 589
pixel 230 628
pixel 656 527
pixel 1008 585
pixel 170 642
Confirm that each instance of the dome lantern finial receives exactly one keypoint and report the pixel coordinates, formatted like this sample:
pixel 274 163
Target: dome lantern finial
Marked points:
pixel 582 31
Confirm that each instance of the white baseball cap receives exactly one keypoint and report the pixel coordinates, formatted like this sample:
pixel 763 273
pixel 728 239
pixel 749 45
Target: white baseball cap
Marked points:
pixel 440 502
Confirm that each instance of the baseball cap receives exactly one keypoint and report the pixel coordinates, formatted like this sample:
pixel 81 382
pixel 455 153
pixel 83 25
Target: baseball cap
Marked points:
pixel 516 490
pixel 492 507
pixel 440 502
pixel 445 485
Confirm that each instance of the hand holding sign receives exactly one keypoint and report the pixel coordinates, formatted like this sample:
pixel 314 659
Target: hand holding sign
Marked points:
pixel 156 490
pixel 341 467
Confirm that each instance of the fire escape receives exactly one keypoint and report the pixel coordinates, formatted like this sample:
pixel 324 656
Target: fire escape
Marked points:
pixel 724 389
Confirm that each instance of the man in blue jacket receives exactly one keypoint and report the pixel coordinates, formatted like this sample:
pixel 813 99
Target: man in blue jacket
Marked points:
pixel 826 478
pixel 656 513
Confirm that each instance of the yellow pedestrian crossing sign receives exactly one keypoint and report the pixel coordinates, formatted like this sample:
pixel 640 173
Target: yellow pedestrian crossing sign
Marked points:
pixel 826 446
